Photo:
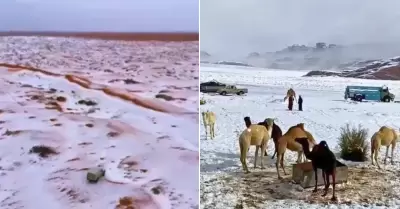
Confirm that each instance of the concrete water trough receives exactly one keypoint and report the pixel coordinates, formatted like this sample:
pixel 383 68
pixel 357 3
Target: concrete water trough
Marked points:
pixel 303 174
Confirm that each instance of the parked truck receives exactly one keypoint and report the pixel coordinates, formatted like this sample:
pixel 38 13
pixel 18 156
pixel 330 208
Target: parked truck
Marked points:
pixel 371 93
pixel 229 89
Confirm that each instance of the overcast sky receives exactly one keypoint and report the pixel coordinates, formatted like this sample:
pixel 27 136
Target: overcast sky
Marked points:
pixel 100 15
pixel 243 26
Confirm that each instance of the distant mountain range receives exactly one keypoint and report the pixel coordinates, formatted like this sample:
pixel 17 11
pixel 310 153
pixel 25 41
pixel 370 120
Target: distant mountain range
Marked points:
pixel 372 61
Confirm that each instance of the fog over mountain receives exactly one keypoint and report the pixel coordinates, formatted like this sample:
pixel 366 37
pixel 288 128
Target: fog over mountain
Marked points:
pixel 364 29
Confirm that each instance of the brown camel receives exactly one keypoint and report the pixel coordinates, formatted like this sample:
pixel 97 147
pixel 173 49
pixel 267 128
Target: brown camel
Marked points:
pixel 258 136
pixel 384 137
pixel 287 141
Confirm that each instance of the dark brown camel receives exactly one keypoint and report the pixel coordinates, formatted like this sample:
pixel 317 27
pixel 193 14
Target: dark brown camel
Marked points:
pixel 321 157
pixel 276 132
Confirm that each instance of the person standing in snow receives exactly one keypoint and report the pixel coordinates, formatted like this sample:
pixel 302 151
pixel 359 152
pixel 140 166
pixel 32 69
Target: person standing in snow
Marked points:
pixel 300 102
pixel 290 106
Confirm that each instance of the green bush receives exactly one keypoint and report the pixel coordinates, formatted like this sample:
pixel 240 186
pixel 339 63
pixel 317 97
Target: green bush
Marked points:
pixel 353 143
pixel 202 101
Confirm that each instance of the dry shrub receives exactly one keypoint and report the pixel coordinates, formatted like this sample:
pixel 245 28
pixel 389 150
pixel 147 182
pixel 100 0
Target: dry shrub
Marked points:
pixel 43 151
pixel 126 203
pixel 353 143
pixel 202 102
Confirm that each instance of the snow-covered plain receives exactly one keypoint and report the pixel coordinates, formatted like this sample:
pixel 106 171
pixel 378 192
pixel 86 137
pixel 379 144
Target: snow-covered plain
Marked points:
pixel 223 183
pixel 143 142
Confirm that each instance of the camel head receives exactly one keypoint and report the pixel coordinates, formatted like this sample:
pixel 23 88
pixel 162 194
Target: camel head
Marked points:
pixel 300 125
pixel 247 121
pixel 269 122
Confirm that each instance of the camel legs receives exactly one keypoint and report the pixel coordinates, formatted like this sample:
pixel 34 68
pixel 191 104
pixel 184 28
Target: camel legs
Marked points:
pixel 278 157
pixel 316 179
pixel 263 150
pixel 376 157
pixel 273 155
pixel 256 157
pixel 393 146
pixel 327 183
pixel 386 155
pixel 282 165
pixel 276 149
pixel 372 156
pixel 212 133
pixel 205 127
pixel 333 185
pixel 243 155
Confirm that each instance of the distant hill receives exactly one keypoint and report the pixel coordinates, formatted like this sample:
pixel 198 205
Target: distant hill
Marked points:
pixel 388 69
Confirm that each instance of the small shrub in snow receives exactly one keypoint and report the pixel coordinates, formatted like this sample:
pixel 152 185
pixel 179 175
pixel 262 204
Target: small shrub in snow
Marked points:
pixel 353 143
pixel 43 151
pixel 202 102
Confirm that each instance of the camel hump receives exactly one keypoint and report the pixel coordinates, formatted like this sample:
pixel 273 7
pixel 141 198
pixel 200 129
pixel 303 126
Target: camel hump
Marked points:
pixel 383 128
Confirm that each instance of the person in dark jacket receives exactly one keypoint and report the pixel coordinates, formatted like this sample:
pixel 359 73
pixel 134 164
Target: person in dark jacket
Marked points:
pixel 290 106
pixel 300 102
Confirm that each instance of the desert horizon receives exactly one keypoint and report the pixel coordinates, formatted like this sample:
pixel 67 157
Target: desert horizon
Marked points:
pixel 110 35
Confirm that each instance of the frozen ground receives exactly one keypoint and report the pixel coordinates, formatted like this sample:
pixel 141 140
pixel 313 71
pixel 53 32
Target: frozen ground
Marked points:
pixel 95 103
pixel 223 184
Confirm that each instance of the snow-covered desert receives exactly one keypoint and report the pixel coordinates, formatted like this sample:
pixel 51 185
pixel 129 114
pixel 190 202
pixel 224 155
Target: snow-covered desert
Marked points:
pixel 225 185
pixel 128 107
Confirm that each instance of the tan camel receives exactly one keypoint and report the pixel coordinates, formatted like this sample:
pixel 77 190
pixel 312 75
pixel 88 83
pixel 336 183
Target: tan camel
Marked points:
pixel 287 141
pixel 290 93
pixel 257 135
pixel 209 120
pixel 384 137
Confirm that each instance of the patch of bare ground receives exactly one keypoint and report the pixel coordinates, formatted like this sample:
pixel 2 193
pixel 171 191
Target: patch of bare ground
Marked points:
pixel 166 97
pixel 365 186
pixel 87 102
pixel 112 134
pixel 43 151
pixel 11 133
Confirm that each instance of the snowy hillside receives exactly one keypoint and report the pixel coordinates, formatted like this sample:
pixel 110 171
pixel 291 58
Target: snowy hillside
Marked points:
pixel 223 183
pixel 371 69
pixel 129 107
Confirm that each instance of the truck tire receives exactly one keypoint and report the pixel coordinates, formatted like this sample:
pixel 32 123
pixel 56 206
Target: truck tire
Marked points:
pixel 223 93
pixel 240 93
pixel 386 99
pixel 359 98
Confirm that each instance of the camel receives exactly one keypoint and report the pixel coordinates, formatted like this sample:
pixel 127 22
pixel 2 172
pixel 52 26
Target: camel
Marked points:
pixel 276 131
pixel 323 158
pixel 384 137
pixel 209 120
pixel 258 136
pixel 290 93
pixel 276 134
pixel 287 141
